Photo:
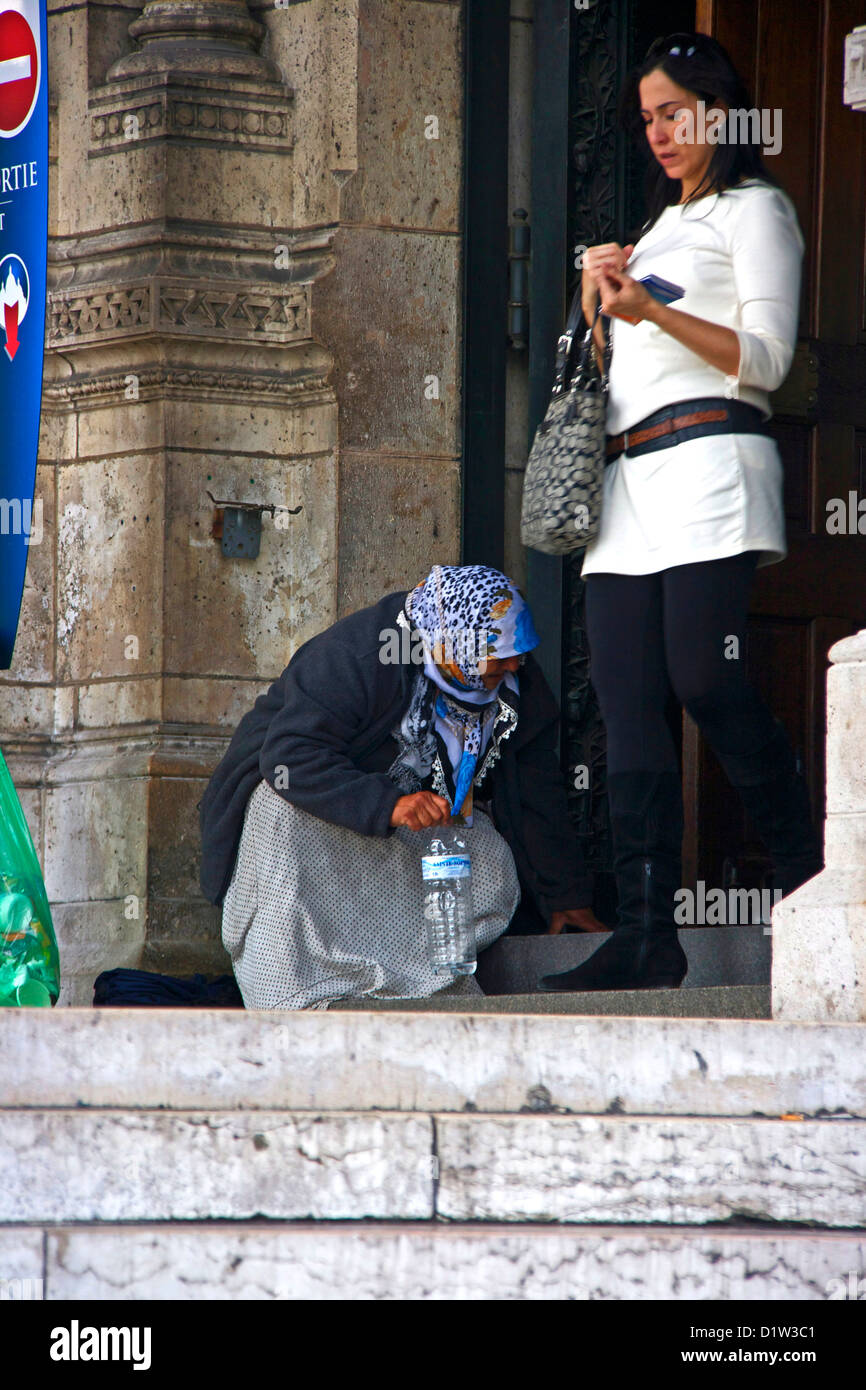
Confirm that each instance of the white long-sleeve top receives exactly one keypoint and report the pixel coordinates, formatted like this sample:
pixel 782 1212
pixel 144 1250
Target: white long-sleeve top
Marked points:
pixel 738 257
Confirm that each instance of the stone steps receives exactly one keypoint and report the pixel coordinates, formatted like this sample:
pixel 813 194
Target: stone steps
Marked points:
pixel 362 1154
pixel 419 1261
pixel 226 1059
pixel 118 1165
pixel 735 955
pixel 731 1001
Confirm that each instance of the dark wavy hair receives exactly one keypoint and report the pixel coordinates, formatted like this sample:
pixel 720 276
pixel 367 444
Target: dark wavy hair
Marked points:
pixel 700 65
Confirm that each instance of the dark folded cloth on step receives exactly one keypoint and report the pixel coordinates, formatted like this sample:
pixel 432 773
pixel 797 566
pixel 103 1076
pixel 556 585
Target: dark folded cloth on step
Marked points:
pixel 130 988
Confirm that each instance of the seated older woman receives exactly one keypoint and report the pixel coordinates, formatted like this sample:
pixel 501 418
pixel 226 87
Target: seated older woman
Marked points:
pixel 421 706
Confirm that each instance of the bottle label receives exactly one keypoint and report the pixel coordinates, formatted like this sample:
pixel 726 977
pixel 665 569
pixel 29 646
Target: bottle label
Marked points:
pixel 445 866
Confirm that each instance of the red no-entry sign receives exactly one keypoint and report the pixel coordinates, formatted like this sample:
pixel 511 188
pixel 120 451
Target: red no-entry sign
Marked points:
pixel 19 71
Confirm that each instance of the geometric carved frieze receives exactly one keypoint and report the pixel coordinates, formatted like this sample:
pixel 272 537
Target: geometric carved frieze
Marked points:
pixel 82 316
pixel 121 120
pixel 220 310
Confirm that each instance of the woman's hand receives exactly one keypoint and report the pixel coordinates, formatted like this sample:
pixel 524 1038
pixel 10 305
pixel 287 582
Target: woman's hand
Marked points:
pixel 597 259
pixel 624 297
pixel 582 917
pixel 421 809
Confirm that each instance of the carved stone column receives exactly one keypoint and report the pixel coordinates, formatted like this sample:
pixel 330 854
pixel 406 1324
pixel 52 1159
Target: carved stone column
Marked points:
pixel 819 932
pixel 180 362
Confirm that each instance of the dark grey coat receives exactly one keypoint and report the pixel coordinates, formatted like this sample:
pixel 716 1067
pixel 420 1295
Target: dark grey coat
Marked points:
pixel 327 720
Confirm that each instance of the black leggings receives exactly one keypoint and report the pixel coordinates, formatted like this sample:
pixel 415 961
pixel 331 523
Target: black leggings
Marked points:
pixel 682 630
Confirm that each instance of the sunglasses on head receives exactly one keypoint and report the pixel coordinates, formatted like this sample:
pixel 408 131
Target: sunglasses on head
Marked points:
pixel 679 45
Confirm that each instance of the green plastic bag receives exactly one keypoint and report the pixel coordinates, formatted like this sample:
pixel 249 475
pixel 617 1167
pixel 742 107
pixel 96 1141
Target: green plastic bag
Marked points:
pixel 29 959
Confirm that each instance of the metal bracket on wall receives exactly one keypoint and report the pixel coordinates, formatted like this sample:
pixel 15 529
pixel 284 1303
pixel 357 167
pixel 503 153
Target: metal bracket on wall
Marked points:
pixel 238 525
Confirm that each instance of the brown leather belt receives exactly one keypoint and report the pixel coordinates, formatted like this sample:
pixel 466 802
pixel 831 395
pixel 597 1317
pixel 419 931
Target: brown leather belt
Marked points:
pixel 687 420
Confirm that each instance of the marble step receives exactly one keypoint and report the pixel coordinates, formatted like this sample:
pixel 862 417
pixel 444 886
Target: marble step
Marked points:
pixel 539 1166
pixel 732 1001
pixel 411 1061
pixel 734 955
pixel 422 1260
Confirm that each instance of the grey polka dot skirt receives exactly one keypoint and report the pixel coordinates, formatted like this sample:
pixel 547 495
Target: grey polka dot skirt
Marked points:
pixel 315 913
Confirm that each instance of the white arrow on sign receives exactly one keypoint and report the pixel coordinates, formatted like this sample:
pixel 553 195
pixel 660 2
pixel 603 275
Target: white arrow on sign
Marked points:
pixel 13 69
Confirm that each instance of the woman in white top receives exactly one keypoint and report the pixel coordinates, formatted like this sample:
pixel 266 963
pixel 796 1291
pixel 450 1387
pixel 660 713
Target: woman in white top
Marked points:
pixel 692 494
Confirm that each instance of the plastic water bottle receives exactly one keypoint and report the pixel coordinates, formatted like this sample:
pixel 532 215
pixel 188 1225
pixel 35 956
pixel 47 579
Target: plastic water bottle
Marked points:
pixel 447 876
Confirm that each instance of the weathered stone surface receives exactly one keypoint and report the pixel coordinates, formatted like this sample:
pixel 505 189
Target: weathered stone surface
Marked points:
pixel 316 48
pixel 819 932
pixel 117 1165
pixel 92 937
pixel 410 125
pixel 184 938
pixel 21 1257
pixel 415 1261
pixel 109 559
pixel 316 1059
pixel 85 855
pixel 819 949
pixel 210 702
pixel 27 709
pixel 31 804
pixel 399 518
pixel 650 1169
pixel 244 617
pixel 175 842
pixel 846 757
pixel 109 703
pixel 390 313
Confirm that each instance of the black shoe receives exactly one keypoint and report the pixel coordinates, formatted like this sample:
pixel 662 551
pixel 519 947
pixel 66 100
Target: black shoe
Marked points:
pixel 776 799
pixel 646 816
pixel 629 959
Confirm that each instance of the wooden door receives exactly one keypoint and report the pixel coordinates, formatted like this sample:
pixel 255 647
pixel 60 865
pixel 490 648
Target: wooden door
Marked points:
pixel 791 57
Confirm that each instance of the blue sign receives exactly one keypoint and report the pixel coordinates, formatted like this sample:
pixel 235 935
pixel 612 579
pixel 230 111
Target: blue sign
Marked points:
pixel 23 253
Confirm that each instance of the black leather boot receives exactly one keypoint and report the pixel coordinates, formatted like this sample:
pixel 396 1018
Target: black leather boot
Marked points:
pixel 776 798
pixel 643 952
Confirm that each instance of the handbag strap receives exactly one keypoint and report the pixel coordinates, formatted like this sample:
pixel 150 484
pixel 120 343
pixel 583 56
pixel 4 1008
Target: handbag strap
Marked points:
pixel 583 367
pixel 566 340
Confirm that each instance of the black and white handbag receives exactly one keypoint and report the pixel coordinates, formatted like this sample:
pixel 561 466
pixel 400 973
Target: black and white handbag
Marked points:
pixel 563 482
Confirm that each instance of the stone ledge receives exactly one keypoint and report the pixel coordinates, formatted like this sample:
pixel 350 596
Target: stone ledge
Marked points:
pixel 319 1060
pixel 726 1001
pixel 650 1169
pixel 192 1165
pixel 113 1165
pixel 420 1261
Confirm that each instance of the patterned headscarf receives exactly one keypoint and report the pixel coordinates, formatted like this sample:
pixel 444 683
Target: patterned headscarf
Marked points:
pixel 465 614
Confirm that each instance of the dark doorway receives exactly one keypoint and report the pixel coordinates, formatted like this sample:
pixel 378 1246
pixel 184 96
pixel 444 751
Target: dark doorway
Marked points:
pixel 791 57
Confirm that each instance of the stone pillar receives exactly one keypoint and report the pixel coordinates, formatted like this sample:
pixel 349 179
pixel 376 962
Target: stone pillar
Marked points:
pixel 819 932
pixel 180 362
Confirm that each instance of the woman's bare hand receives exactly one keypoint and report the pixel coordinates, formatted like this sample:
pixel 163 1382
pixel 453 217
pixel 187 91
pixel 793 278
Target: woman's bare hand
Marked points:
pixel 420 810
pixel 610 256
pixel 623 297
